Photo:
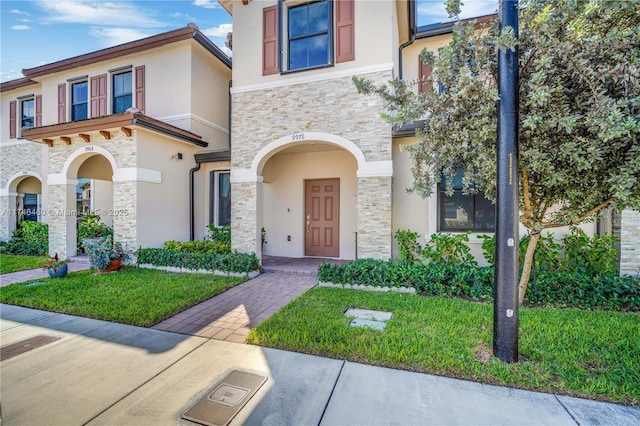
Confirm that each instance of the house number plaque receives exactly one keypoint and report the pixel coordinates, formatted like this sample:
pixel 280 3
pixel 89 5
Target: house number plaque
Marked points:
pixel 297 137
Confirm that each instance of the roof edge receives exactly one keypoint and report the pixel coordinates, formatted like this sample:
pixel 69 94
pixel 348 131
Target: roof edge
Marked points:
pixel 16 84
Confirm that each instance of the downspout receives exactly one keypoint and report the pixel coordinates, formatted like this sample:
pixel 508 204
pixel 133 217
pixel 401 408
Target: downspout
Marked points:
pixel 192 172
pixel 412 35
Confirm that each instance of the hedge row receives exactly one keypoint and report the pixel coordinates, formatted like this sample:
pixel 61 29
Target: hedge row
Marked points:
pixel 607 291
pixel 225 262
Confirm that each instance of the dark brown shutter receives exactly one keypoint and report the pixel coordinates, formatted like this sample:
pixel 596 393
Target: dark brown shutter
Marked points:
pixel 140 88
pixel 98 95
pixel 424 72
pixel 62 103
pixel 38 110
pixel 12 119
pixel 269 40
pixel 345 36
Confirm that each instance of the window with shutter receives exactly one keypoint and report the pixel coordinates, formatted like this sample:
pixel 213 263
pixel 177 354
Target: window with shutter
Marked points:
pixel 99 96
pixel 424 72
pixel 140 87
pixel 269 40
pixel 345 35
pixel 62 103
pixel 38 110
pixel 12 119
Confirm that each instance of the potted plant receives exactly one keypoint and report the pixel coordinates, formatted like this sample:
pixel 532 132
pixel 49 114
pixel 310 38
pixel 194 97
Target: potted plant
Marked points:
pixel 91 230
pixel 55 267
pixel 105 255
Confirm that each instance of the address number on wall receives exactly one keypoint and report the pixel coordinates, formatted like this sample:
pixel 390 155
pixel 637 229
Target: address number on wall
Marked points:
pixel 88 148
pixel 297 137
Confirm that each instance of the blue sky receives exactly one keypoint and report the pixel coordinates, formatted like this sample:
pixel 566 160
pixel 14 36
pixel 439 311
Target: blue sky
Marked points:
pixel 37 32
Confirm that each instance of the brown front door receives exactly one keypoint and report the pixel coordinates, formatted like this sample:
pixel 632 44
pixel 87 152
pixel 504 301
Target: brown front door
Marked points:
pixel 322 217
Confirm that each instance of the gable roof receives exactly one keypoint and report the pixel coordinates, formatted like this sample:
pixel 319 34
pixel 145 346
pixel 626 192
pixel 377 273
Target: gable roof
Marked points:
pixel 191 31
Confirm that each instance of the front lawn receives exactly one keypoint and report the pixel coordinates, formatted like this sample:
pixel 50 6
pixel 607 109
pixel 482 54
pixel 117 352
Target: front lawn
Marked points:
pixel 133 296
pixel 14 263
pixel 590 354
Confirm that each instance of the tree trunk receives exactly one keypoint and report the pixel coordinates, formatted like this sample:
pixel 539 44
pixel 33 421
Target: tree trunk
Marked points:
pixel 528 264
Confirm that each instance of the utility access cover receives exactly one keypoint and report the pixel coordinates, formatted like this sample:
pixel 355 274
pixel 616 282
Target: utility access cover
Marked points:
pixel 225 399
pixel 376 320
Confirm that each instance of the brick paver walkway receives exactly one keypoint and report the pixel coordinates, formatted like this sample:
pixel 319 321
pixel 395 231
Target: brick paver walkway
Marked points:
pixel 231 315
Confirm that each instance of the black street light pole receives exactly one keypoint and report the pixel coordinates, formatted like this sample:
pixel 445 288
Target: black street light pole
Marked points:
pixel 505 307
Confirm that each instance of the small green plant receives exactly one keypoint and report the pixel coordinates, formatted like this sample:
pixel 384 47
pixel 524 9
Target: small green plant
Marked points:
pixel 589 255
pixel 91 226
pixel 29 239
pixel 199 246
pixel 408 246
pixel 101 252
pixel 226 262
pixel 53 263
pixel 221 234
pixel 449 249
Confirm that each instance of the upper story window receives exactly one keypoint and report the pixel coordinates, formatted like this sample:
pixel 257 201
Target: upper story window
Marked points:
pixel 27 114
pixel 79 98
pixel 461 212
pixel 298 35
pixel 122 92
pixel 309 35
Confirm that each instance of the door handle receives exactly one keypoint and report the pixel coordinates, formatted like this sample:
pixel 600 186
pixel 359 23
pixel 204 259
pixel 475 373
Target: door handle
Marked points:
pixel 308 223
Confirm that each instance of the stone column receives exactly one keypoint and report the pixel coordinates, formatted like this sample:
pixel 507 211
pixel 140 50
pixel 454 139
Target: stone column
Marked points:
pixel 246 214
pixel 125 213
pixel 374 217
pixel 629 242
pixel 8 215
pixel 62 217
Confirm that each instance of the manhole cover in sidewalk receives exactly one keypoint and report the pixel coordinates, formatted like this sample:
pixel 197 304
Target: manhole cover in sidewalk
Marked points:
pixel 225 399
pixel 14 349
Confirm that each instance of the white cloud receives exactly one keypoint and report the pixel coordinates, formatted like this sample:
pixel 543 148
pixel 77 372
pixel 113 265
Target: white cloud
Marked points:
pixel 119 13
pixel 207 4
pixel 25 20
pixel 19 12
pixel 115 36
pixel 20 27
pixel 219 31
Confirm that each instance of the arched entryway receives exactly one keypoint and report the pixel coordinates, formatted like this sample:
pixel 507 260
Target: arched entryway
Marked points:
pixel 24 200
pixel 273 194
pixel 85 186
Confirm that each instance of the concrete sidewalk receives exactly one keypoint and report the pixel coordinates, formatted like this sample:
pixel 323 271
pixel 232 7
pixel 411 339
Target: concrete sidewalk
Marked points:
pixel 78 263
pixel 104 373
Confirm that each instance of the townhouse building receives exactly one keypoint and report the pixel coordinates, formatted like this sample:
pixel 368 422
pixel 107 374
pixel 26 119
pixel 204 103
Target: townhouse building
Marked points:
pixel 115 132
pixel 281 146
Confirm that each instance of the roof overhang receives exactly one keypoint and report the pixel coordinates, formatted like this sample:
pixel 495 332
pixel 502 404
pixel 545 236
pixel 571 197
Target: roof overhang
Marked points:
pixel 16 84
pixel 105 127
pixel 212 156
pixel 191 31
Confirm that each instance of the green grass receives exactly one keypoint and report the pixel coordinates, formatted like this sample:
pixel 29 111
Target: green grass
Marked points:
pixel 131 296
pixel 14 263
pixel 590 354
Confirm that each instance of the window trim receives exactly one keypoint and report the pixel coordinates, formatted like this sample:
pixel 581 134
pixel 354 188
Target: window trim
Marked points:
pixel 72 103
pixel 283 35
pixel 438 195
pixel 23 99
pixel 117 72
pixel 214 195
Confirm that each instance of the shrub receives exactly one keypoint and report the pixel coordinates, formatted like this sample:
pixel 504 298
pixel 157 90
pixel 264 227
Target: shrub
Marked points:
pixel 29 239
pixel 590 255
pixel 199 246
pixel 90 226
pixel 220 234
pixel 226 262
pixel 450 249
pixel 408 246
pixel 561 288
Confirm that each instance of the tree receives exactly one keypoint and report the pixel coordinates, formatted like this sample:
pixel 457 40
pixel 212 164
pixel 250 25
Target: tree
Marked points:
pixel 579 102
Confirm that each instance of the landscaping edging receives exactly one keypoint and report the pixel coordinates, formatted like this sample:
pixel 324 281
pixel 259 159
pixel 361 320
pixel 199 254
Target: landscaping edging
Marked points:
pixel 181 270
pixel 408 290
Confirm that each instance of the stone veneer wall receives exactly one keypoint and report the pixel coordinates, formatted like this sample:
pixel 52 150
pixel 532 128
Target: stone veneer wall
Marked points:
pixel 25 157
pixel 62 194
pixel 330 106
pixel 629 234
